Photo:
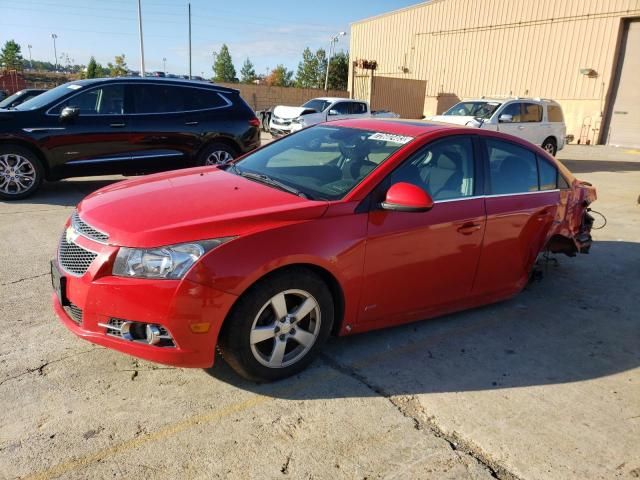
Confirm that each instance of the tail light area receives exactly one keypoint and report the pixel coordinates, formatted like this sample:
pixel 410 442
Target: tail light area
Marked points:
pixel 254 122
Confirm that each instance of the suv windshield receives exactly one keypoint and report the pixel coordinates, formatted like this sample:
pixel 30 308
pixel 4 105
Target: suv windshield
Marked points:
pixel 321 162
pixel 317 105
pixel 49 96
pixel 473 109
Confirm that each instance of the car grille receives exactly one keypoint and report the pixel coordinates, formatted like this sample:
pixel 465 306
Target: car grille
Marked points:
pixel 281 121
pixel 75 313
pixel 73 258
pixel 87 230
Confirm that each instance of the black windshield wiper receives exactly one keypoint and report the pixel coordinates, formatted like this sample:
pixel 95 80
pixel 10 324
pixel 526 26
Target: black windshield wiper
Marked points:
pixel 267 180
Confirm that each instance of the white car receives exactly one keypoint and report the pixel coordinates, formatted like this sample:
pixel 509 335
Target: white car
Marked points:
pixel 537 120
pixel 285 120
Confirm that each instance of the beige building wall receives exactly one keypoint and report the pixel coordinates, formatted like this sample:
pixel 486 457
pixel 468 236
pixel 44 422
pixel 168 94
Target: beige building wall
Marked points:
pixel 535 48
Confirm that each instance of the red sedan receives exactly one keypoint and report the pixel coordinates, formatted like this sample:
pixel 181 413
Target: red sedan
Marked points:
pixel 340 228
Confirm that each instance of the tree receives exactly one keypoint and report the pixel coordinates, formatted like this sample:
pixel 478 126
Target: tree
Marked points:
pixel 339 71
pixel 280 77
pixel 10 56
pixel 119 69
pixel 223 69
pixel 92 68
pixel 307 74
pixel 248 73
pixel 321 70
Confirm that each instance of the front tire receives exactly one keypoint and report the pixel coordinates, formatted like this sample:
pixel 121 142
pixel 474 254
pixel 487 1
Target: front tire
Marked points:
pixel 21 172
pixel 550 146
pixel 216 154
pixel 277 327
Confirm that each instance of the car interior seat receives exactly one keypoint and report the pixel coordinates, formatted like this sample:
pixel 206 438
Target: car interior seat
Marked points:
pixel 444 178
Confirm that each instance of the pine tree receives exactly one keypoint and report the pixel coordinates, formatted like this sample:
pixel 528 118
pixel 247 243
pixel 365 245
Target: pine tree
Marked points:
pixel 223 68
pixel 339 71
pixel 247 73
pixel 119 69
pixel 92 68
pixel 10 56
pixel 321 69
pixel 306 76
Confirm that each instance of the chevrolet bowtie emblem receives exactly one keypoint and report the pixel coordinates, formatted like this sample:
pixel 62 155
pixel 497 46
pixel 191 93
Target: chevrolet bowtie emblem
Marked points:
pixel 70 235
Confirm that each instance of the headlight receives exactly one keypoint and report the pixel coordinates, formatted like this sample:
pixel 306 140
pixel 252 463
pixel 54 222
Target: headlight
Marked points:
pixel 299 121
pixel 169 262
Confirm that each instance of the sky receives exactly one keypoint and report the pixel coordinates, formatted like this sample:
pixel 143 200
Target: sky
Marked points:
pixel 269 32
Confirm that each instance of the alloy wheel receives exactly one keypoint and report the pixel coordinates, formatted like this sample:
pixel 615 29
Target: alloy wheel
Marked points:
pixel 218 157
pixel 17 174
pixel 549 148
pixel 285 328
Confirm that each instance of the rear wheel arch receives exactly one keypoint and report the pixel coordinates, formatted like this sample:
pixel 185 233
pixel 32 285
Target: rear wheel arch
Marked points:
pixel 551 139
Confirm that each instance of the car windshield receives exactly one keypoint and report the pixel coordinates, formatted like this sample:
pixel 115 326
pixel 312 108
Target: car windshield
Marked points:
pixel 9 100
pixel 317 104
pixel 48 97
pixel 473 109
pixel 322 162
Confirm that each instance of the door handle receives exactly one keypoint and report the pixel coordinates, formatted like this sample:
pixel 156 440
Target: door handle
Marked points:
pixel 117 125
pixel 469 227
pixel 191 123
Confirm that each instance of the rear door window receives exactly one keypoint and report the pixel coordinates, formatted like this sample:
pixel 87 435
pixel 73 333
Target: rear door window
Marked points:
pixel 512 169
pixel 548 175
pixel 150 99
pixel 531 112
pixel 342 108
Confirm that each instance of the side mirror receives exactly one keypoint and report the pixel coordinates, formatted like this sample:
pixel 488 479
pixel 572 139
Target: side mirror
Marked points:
pixel 333 112
pixel 505 118
pixel 406 197
pixel 69 113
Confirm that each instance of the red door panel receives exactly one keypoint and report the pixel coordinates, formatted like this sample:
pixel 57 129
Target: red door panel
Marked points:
pixel 416 263
pixel 516 231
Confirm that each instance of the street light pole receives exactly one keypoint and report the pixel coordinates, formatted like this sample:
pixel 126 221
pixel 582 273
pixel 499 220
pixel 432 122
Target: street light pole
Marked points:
pixel 55 52
pixel 189 41
pixel 141 42
pixel 30 61
pixel 334 40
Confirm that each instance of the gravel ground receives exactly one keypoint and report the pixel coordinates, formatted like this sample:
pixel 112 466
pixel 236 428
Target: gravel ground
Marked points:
pixel 544 386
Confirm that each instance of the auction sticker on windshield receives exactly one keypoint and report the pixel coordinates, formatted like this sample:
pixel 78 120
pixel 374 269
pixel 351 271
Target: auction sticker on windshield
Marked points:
pixel 388 137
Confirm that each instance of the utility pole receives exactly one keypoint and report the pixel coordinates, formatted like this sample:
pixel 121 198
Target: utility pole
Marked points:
pixel 141 41
pixel 55 52
pixel 164 65
pixel 30 61
pixel 189 41
pixel 334 40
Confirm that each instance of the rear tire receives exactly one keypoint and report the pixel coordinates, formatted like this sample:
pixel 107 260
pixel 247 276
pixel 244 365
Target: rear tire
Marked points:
pixel 216 154
pixel 264 340
pixel 21 172
pixel 550 146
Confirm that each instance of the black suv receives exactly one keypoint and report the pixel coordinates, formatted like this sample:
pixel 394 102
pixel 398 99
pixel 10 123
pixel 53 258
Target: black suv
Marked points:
pixel 121 126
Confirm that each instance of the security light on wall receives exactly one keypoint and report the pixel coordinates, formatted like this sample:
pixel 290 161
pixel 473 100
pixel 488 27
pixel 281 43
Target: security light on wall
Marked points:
pixel 589 72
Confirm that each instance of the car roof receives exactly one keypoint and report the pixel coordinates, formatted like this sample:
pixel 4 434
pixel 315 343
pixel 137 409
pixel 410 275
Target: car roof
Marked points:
pixel 393 126
pixel 157 80
pixel 335 99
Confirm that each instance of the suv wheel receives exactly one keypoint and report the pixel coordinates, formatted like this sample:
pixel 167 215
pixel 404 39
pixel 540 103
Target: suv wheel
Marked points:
pixel 550 146
pixel 216 154
pixel 278 326
pixel 20 172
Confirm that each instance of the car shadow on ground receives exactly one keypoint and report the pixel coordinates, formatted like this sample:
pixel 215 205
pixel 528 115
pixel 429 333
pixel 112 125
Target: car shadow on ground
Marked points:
pixel 590 166
pixel 578 323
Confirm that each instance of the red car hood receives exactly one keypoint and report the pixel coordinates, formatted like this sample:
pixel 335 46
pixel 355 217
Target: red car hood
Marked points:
pixel 193 204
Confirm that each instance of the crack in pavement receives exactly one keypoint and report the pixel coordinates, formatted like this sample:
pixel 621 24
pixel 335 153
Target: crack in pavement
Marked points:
pixel 24 279
pixel 410 407
pixel 40 368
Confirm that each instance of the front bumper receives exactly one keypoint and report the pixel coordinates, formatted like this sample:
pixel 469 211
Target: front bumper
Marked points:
pixel 174 304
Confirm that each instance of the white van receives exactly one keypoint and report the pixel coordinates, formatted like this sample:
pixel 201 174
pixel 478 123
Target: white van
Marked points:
pixel 537 120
